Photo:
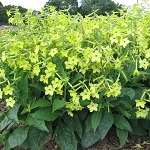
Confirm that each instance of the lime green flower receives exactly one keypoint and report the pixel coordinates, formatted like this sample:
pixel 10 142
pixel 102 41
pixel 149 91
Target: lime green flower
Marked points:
pixel 2 73
pixel 73 106
pixel 96 56
pixel 33 57
pixel 49 90
pixel 57 83
pixel 53 52
pixel 44 79
pixel 72 61
pixel 144 63
pixel 10 102
pixel 113 40
pixel 136 72
pixel 8 90
pixel 92 106
pixel 142 112
pixel 124 42
pixel 94 90
pixel 115 90
pixel 36 70
pixel 140 103
pixel 85 94
pixel 22 63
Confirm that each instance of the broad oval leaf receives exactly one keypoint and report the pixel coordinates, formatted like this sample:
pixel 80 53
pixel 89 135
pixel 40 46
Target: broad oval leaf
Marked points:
pixel 122 135
pixel 17 137
pixel 91 137
pixel 58 104
pixel 65 137
pixel 40 103
pixel 45 114
pixel 95 119
pixel 40 124
pixel 121 123
pixel 75 123
pixel 37 138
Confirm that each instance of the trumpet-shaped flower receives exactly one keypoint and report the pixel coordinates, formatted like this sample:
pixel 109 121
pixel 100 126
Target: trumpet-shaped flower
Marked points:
pixel 92 106
pixel 8 90
pixel 124 42
pixel 144 63
pixel 10 102
pixel 49 90
pixel 85 94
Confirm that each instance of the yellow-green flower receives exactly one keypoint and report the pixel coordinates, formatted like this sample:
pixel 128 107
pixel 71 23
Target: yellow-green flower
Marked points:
pixel 92 106
pixel 8 90
pixel 140 103
pixel 96 56
pixel 124 42
pixel 85 94
pixel 36 70
pixel 10 102
pixel 44 79
pixel 53 52
pixel 144 63
pixel 136 72
pixel 49 90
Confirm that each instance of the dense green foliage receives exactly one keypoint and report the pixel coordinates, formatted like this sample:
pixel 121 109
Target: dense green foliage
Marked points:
pixel 100 6
pixel 73 77
pixel 3 12
pixel 86 6
pixel 72 5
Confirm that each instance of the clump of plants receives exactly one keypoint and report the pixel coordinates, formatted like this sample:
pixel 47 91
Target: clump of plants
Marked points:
pixel 71 78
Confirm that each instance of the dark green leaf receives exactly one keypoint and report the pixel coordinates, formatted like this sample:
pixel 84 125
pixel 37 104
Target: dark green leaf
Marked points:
pixel 40 103
pixel 122 135
pixel 77 77
pixel 58 104
pixel 121 123
pixel 127 91
pixel 75 123
pixel 37 86
pixel 37 138
pixel 17 137
pixel 12 113
pixel 45 114
pixel 5 122
pixel 23 86
pixel 40 124
pixel 95 119
pixel 91 137
pixel 65 137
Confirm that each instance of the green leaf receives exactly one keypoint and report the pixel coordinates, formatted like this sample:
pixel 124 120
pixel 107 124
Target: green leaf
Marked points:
pixel 37 86
pixel 12 113
pixel 40 124
pixel 40 103
pixel 23 86
pixel 127 91
pixel 37 138
pixel 58 104
pixel 121 123
pixel 77 77
pixel 17 137
pixel 5 122
pixel 45 114
pixel 75 123
pixel 95 119
pixel 122 135
pixel 91 137
pixel 65 137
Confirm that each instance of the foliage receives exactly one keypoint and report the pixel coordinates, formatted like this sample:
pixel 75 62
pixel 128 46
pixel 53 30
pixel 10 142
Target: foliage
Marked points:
pixel 3 12
pixel 73 77
pixel 100 6
pixel 72 5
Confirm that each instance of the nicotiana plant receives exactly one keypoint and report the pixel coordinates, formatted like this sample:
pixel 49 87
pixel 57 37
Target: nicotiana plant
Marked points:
pixel 70 78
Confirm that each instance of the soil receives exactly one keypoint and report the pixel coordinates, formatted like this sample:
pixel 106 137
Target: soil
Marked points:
pixel 110 142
